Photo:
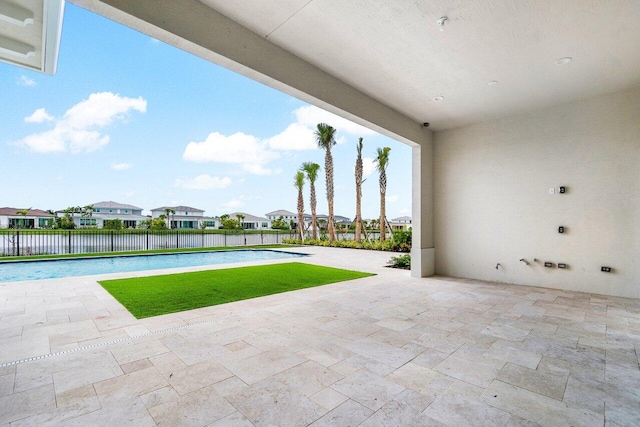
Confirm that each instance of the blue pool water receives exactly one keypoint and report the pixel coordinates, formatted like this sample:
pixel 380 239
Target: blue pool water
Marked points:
pixel 36 270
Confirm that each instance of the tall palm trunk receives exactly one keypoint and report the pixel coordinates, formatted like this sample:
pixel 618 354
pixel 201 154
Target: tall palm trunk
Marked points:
pixel 300 214
pixel 325 137
pixel 328 168
pixel 383 213
pixel 358 173
pixel 298 182
pixel 311 170
pixel 382 162
pixel 313 201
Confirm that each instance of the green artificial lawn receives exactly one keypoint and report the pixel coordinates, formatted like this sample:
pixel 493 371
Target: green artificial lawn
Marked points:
pixel 170 293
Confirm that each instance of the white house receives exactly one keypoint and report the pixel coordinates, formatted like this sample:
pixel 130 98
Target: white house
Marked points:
pixel 182 216
pixel 21 218
pixel 286 215
pixel 130 215
pixel 252 222
pixel 401 223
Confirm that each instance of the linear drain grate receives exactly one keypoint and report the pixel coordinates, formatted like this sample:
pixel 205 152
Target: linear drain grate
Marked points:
pixel 102 344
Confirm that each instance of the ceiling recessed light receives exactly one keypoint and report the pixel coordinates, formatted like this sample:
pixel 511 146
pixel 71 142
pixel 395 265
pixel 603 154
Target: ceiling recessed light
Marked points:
pixel 564 60
pixel 438 98
pixel 493 83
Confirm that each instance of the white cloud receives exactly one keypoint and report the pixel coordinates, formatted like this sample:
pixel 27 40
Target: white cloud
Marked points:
pixel 39 116
pixel 310 116
pixel 121 166
pixel 238 148
pixel 392 198
pixel 405 211
pixel 203 182
pixel 26 81
pixel 254 153
pixel 257 169
pixel 130 193
pixel 295 137
pixel 368 166
pixel 231 205
pixel 76 130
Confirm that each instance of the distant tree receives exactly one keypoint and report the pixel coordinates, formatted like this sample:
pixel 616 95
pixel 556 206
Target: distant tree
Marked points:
pixel 113 224
pixel 22 223
pixel 325 137
pixel 311 170
pixel 279 224
pixel 65 222
pixel 298 183
pixel 229 224
pixel 169 213
pixel 159 223
pixel 382 162
pixel 240 218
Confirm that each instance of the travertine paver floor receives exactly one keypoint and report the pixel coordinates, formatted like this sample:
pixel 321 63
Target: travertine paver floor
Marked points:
pixel 382 351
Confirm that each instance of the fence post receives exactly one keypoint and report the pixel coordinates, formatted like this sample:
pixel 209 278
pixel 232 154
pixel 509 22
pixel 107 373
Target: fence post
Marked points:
pixel 202 241
pixel 18 241
pixel 261 238
pixel 111 240
pixel 147 239
pixel 177 239
pixel 225 238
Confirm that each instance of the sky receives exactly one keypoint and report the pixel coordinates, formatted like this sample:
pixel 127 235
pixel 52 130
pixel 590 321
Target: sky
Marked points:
pixel 129 119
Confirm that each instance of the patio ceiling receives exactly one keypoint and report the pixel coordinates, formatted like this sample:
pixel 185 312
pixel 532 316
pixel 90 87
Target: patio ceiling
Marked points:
pixel 395 53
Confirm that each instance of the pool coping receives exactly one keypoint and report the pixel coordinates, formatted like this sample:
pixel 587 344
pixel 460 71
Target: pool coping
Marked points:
pixel 79 258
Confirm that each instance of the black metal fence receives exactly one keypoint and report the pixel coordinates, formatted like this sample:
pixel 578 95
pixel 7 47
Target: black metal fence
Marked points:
pixel 53 242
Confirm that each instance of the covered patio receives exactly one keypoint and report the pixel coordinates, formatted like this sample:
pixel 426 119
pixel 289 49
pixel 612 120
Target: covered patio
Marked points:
pixel 386 350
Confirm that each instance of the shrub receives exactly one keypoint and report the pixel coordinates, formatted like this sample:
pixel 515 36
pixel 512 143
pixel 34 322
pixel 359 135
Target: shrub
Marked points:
pixel 402 261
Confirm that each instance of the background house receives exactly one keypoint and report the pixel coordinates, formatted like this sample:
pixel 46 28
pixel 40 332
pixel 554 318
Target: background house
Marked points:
pixel 184 217
pixel 252 222
pixel 84 217
pixel 27 218
pixel 401 223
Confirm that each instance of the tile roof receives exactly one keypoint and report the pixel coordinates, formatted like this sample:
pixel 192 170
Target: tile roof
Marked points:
pixel 31 212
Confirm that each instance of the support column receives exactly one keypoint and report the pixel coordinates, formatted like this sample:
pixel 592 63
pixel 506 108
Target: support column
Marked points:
pixel 422 249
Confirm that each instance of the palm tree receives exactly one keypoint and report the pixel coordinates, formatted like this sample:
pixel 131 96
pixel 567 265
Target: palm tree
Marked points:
pixel 359 181
pixel 325 137
pixel 382 161
pixel 169 213
pixel 298 182
pixel 311 169
pixel 240 217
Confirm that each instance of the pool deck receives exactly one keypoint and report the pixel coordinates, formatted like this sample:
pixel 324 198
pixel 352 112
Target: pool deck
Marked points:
pixel 378 351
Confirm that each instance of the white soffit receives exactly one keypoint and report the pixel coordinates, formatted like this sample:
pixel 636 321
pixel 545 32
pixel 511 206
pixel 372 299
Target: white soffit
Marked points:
pixel 30 33
pixel 493 57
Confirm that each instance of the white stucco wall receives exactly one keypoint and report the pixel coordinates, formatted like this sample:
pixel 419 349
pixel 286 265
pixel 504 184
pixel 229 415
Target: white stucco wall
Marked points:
pixel 492 201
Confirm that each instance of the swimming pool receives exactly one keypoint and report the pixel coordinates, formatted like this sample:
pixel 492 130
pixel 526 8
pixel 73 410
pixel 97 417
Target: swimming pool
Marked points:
pixel 36 270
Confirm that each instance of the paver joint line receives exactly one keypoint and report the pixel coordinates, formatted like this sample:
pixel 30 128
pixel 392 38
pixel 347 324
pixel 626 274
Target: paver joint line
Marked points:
pixel 102 344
